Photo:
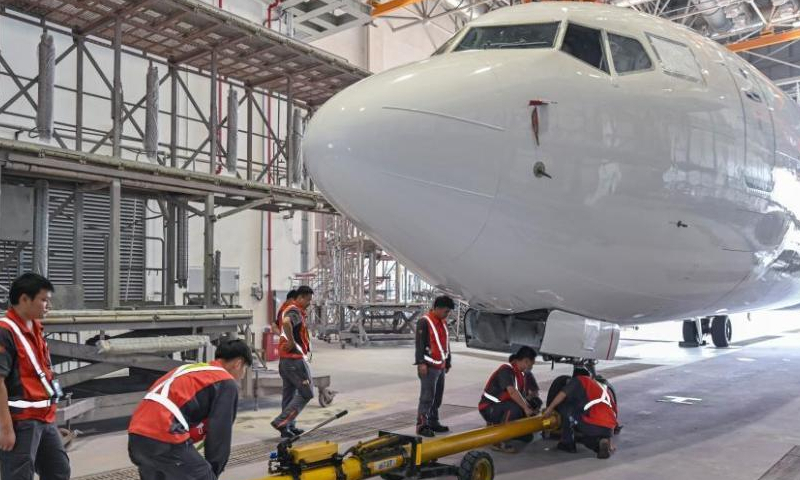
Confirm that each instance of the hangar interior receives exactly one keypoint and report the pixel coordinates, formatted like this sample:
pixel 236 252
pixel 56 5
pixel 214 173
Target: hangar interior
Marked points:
pixel 152 167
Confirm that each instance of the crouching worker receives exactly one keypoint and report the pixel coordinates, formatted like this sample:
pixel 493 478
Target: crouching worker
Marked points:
pixel 190 404
pixel 503 398
pixel 586 407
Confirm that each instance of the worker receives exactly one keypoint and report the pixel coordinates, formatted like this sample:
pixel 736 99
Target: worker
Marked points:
pixel 587 407
pixel 291 295
pixel 503 398
pixel 531 393
pixel 29 439
pixel 432 359
pixel 294 350
pixel 190 404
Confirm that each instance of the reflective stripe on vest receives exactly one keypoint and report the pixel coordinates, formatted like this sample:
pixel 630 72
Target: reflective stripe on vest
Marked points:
pixel 442 351
pixel 27 404
pixel 516 385
pixel 604 398
pixel 160 394
pixel 39 372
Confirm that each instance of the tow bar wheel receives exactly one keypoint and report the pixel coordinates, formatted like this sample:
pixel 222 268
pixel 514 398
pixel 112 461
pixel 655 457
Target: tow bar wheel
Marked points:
pixel 476 465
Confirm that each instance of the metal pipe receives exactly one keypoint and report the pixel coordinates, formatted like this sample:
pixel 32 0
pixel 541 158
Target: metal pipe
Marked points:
pixel 114 236
pixel 232 145
pixel 353 468
pixel 47 68
pixel 151 115
pixel 116 104
pixel 182 247
pixel 41 227
pixel 79 93
pixel 212 118
pixel 208 252
pixel 78 234
pixel 249 94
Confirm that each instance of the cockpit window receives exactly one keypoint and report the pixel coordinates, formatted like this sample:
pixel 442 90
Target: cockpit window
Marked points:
pixel 676 58
pixel 585 44
pixel 446 45
pixel 540 35
pixel 628 54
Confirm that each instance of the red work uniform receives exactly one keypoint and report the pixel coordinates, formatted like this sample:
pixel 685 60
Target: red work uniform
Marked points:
pixel 28 377
pixel 187 405
pixel 590 408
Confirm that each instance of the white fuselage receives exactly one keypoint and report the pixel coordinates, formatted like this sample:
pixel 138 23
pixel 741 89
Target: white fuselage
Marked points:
pixel 670 197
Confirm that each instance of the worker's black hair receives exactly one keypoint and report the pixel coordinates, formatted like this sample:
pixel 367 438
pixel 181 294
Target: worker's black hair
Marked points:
pixel 233 349
pixel 303 290
pixel 444 302
pixel 523 352
pixel 29 284
pixel 291 294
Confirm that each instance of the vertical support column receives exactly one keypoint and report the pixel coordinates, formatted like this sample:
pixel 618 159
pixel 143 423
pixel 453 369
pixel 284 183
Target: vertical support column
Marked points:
pixel 79 93
pixel 208 253
pixel 290 156
pixel 114 236
pixel 116 105
pixel 77 238
pixel 40 226
pixel 249 93
pixel 212 118
pixel 398 278
pixel 304 241
pixel 173 116
pixel 373 263
pixel 171 241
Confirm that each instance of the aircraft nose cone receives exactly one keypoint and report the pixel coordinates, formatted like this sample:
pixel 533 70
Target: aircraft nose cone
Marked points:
pixel 409 158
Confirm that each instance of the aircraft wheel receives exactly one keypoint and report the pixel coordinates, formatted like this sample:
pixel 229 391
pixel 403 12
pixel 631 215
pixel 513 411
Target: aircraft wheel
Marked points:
pixel 690 333
pixel 476 465
pixel 721 331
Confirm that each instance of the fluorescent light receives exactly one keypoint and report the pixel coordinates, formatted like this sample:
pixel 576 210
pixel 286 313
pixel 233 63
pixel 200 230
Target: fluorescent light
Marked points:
pixel 796 23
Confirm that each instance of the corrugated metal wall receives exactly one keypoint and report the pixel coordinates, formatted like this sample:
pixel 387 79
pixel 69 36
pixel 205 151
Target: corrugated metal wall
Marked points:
pixel 96 224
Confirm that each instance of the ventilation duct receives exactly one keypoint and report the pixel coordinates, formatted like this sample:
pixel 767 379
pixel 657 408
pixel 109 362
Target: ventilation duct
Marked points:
pixel 233 131
pixel 714 15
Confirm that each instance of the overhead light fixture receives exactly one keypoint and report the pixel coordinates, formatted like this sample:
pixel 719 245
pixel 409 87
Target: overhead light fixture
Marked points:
pixel 796 23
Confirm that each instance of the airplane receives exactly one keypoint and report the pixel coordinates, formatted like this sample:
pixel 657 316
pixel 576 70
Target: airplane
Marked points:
pixel 567 168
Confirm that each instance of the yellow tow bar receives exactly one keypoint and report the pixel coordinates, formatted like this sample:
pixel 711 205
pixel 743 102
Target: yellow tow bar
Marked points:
pixel 397 456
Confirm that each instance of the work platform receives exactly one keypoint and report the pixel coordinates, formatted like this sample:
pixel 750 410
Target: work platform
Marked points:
pixel 186 32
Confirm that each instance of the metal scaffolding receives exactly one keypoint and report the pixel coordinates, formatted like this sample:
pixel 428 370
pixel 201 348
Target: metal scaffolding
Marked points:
pixel 105 165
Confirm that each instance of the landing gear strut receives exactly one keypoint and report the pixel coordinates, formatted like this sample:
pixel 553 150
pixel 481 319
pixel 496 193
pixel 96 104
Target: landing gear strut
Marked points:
pixel 718 326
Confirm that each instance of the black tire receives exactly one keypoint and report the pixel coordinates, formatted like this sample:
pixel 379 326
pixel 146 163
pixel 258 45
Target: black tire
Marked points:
pixel 721 331
pixel 558 384
pixel 476 465
pixel 690 333
pixel 325 397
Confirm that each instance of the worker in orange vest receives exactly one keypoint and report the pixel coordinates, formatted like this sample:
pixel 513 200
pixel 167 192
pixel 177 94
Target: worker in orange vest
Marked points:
pixel 291 295
pixel 29 439
pixel 295 352
pixel 589 408
pixel 190 404
pixel 432 358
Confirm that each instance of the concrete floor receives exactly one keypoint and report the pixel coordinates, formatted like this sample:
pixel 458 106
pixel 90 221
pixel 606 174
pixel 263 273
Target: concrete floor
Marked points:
pixel 746 421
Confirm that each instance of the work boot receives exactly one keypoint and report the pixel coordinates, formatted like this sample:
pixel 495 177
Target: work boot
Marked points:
pixel 285 432
pixel 439 428
pixel 567 447
pixel 425 431
pixel 604 450
pixel 296 431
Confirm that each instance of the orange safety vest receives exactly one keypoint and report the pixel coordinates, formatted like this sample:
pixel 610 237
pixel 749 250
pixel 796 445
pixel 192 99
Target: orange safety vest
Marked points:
pixel 159 414
pixel 601 408
pixel 300 334
pixel 438 341
pixel 279 316
pixel 36 400
pixel 492 394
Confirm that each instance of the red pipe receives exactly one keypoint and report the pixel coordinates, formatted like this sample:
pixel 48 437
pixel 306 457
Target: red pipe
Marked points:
pixel 267 154
pixel 218 133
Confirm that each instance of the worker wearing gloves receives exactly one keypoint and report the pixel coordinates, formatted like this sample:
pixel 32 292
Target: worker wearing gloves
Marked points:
pixel 29 439
pixel 588 407
pixel 504 397
pixel 432 359
pixel 295 352
pixel 190 404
